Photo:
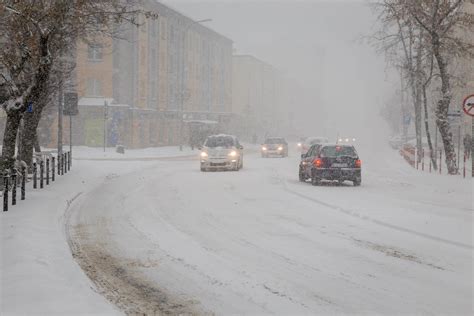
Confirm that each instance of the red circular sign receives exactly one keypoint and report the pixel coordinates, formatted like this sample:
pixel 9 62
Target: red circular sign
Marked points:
pixel 468 105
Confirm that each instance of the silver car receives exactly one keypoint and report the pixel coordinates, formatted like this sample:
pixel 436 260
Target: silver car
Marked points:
pixel 221 152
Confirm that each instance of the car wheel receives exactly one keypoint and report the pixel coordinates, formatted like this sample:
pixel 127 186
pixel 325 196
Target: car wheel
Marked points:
pixel 301 177
pixel 203 169
pixel 357 182
pixel 314 179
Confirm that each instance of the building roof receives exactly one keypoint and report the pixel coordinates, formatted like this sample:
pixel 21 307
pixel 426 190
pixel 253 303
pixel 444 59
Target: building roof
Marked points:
pixel 168 11
pixel 253 58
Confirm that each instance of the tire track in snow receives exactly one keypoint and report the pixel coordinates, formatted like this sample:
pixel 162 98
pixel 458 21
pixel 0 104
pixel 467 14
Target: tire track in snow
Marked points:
pixel 111 275
pixel 357 215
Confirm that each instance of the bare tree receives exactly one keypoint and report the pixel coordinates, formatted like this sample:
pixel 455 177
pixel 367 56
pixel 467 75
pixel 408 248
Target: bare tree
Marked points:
pixel 400 41
pixel 427 75
pixel 35 34
pixel 445 22
pixel 439 26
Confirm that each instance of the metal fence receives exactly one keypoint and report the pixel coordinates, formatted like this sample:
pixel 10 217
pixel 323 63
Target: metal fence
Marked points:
pixel 424 163
pixel 45 168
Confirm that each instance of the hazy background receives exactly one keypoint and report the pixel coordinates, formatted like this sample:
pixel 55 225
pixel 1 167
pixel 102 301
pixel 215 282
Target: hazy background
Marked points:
pixel 319 44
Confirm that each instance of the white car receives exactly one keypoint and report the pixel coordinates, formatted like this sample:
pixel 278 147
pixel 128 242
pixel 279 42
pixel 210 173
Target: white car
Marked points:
pixel 222 152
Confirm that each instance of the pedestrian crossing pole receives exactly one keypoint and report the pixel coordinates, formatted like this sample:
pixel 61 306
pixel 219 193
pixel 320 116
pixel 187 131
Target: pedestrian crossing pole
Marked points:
pixel 468 108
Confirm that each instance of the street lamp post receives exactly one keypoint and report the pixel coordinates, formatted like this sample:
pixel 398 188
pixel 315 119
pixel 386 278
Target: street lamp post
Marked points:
pixel 183 94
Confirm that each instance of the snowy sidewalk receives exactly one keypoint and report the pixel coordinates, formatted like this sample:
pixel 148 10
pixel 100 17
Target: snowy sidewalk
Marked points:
pixel 36 263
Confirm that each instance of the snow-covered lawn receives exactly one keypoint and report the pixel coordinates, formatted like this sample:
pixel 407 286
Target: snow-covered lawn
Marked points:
pixel 161 234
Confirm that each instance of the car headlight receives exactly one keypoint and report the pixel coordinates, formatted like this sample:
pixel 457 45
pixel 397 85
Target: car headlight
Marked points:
pixel 233 153
pixel 347 140
pixel 280 148
pixel 264 148
pixel 299 144
pixel 204 154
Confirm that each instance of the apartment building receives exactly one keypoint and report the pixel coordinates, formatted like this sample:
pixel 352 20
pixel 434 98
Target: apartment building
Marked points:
pixel 147 86
pixel 260 97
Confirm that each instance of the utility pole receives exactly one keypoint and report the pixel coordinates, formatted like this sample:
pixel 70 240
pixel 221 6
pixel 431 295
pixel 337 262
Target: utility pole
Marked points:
pixel 70 139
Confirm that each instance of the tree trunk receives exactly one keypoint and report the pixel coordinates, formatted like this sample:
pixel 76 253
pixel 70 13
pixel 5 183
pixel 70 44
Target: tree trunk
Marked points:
pixel 9 139
pixel 427 129
pixel 443 107
pixel 29 134
pixel 418 102
pixel 416 95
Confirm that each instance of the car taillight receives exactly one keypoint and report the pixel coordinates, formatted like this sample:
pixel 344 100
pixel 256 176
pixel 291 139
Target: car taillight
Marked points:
pixel 317 162
pixel 358 163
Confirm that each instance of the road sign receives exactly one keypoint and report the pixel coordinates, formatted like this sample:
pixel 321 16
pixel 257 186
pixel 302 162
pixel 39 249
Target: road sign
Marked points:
pixel 468 108
pixel 468 105
pixel 70 103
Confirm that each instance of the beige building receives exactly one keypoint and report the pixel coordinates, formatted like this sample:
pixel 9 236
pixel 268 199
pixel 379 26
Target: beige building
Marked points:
pixel 156 78
pixel 260 97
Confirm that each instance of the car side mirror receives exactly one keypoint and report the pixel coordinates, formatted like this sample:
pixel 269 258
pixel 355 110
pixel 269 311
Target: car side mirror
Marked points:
pixel 303 156
pixel 241 147
pixel 200 147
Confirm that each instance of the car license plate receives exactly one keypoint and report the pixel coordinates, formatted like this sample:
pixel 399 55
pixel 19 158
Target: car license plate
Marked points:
pixel 339 165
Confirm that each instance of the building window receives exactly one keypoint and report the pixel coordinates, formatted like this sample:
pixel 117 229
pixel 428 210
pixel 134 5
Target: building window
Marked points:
pixel 94 87
pixel 94 52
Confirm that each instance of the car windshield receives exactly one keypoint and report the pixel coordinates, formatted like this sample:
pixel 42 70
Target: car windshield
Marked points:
pixel 274 141
pixel 219 141
pixel 338 151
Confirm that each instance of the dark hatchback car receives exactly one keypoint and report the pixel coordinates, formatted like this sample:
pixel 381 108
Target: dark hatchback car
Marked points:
pixel 331 162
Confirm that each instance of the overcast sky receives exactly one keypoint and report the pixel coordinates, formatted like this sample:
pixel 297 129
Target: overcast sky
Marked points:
pixel 319 44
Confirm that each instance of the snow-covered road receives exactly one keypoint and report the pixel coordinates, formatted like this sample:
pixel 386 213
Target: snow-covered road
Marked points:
pixel 171 238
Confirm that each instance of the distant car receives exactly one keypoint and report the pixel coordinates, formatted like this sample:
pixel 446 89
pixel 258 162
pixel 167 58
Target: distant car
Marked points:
pixel 310 141
pixel 222 152
pixel 396 142
pixel 274 146
pixel 337 162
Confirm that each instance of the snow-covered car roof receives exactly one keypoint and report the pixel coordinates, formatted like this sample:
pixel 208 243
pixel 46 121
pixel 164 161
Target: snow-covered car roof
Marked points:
pixel 223 135
pixel 338 144
pixel 275 137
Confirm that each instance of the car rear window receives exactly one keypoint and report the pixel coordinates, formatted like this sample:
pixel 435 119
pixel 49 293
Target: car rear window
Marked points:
pixel 338 151
pixel 219 141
